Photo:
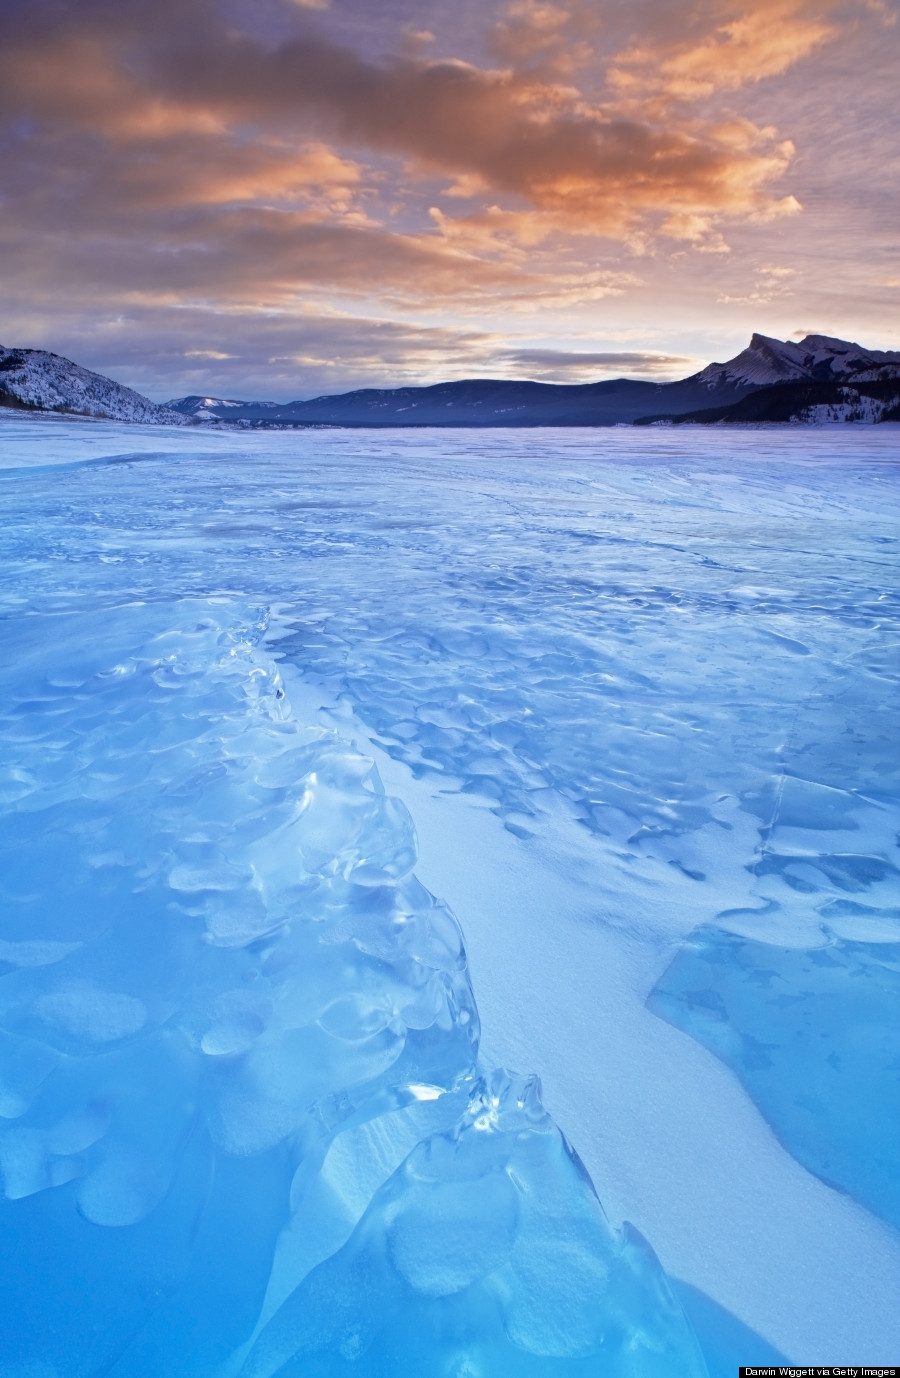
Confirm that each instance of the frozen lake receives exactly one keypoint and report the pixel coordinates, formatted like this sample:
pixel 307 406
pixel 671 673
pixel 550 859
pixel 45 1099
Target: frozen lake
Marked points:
pixel 637 690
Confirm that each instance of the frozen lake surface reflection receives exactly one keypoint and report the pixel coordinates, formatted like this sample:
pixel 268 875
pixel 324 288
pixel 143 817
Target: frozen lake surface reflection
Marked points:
pixel 626 703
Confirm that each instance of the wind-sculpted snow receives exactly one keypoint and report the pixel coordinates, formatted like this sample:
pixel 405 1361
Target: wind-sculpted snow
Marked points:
pixel 215 963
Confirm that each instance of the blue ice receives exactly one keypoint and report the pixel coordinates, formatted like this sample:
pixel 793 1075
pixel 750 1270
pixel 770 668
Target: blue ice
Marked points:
pixel 217 969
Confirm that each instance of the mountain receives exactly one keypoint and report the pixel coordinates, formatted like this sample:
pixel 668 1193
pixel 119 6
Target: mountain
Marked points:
pixel 471 402
pixel 35 380
pixel 816 402
pixel 212 408
pixel 501 402
pixel 766 361
pixel 819 379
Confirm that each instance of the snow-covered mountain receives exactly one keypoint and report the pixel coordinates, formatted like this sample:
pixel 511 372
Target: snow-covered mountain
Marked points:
pixel 37 380
pixel 766 361
pixel 211 408
pixel 506 402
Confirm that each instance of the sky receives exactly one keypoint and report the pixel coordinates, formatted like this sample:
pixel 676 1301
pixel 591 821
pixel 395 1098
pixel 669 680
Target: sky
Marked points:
pixel 276 199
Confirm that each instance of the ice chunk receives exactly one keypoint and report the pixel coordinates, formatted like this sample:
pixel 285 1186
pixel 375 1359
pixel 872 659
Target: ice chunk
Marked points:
pixel 218 998
pixel 486 1252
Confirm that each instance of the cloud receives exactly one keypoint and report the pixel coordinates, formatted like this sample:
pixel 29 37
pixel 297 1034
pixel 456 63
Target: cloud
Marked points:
pixel 770 281
pixel 264 258
pixel 762 39
pixel 185 160
pixel 518 135
pixel 530 31
pixel 147 76
pixel 559 365
pixel 174 349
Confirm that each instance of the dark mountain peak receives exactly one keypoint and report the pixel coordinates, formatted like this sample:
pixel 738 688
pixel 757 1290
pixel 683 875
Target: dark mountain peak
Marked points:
pixel 767 361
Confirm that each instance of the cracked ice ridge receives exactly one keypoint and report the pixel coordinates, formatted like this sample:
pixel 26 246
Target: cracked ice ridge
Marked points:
pixel 245 1126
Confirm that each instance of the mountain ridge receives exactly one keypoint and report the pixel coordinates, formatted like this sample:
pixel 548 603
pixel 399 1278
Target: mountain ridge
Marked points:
pixel 503 402
pixel 38 380
pixel 822 358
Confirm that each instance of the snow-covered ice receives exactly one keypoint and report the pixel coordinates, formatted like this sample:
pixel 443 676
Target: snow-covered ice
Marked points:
pixel 632 697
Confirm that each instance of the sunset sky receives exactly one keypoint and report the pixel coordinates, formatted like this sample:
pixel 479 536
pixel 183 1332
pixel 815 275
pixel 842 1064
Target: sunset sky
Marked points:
pixel 278 198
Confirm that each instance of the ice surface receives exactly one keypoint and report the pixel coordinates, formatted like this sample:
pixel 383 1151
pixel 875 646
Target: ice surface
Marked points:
pixel 639 694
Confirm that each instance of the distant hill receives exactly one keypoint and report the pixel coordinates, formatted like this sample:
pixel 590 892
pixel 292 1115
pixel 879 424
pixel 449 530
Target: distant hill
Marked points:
pixel 818 380
pixel 472 402
pixel 213 408
pixel 35 380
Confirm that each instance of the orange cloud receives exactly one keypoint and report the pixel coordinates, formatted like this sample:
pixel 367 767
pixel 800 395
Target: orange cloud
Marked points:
pixel 515 133
pixel 763 39
pixel 158 154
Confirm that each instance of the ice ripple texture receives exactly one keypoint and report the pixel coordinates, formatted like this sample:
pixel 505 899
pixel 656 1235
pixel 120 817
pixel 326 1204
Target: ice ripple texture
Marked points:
pixel 244 1125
